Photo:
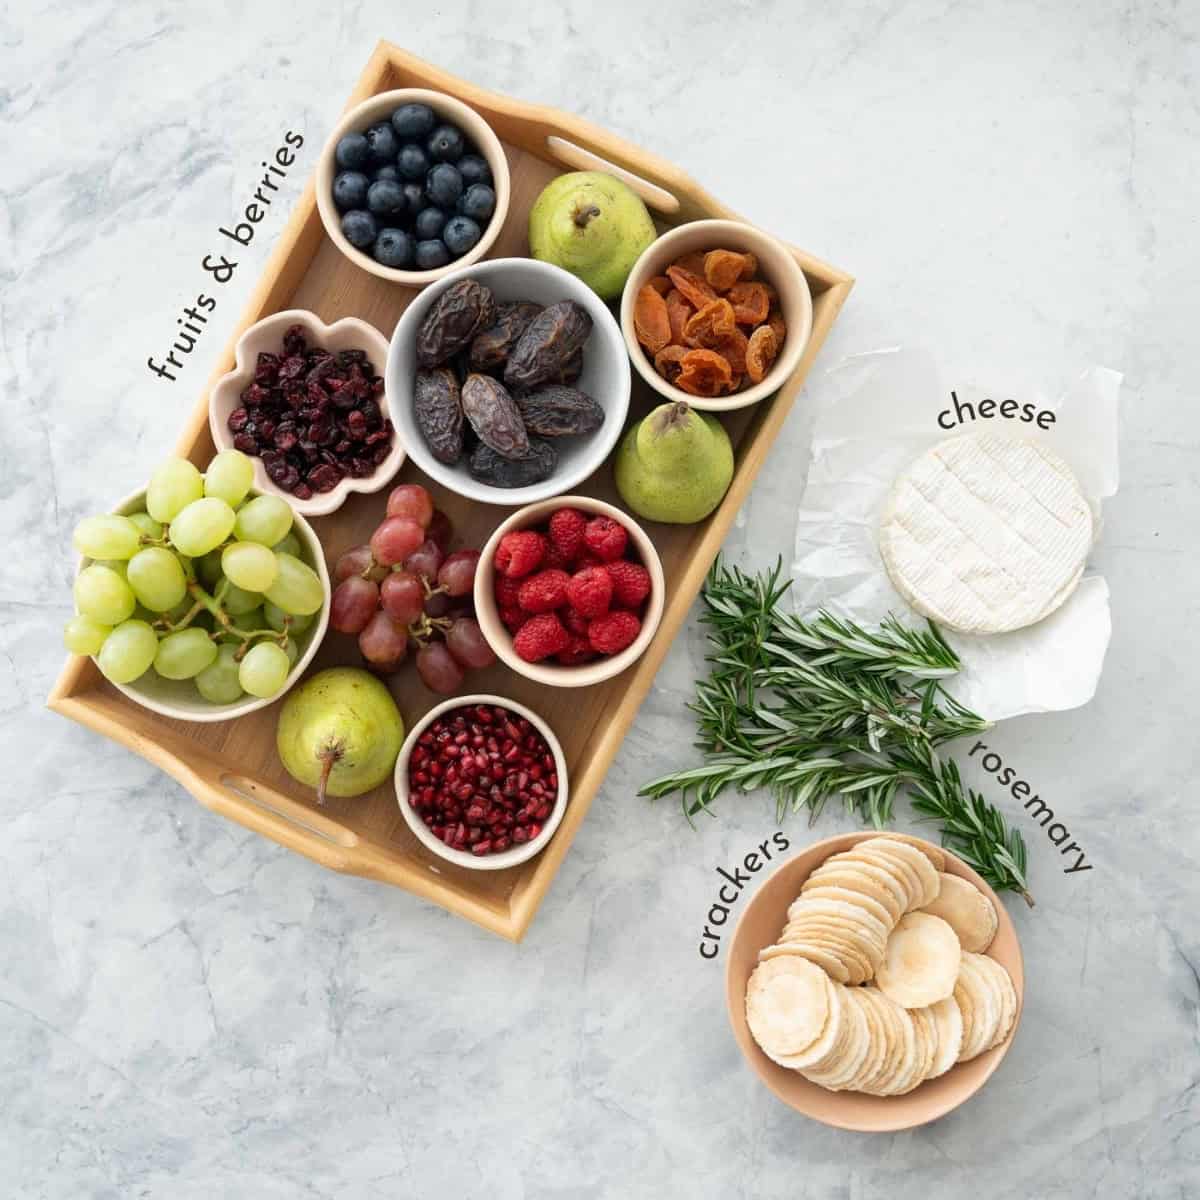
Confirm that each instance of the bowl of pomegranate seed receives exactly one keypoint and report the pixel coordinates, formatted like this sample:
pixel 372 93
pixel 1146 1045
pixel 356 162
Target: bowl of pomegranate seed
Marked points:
pixel 569 591
pixel 307 402
pixel 482 782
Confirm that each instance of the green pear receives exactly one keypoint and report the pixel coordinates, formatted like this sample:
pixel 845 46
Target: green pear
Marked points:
pixel 674 465
pixel 340 732
pixel 594 226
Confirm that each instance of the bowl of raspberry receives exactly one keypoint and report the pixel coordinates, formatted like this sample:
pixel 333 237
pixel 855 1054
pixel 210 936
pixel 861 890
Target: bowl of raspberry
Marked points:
pixel 569 591
pixel 307 402
pixel 439 782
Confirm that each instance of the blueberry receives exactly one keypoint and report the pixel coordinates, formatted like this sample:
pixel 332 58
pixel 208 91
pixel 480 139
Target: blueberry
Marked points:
pixel 387 171
pixel 431 254
pixel 429 223
pixel 446 144
pixel 385 198
pixel 359 227
pixel 478 202
pixel 413 120
pixel 474 169
pixel 460 234
pixel 350 189
pixel 443 185
pixel 352 152
pixel 381 140
pixel 414 199
pixel 393 248
pixel 412 161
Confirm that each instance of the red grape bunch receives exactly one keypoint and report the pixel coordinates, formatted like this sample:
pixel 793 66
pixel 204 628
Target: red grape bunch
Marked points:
pixel 402 589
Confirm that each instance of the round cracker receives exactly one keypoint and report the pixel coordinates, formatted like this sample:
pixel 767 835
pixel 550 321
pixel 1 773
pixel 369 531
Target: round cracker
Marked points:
pixel 828 1039
pixel 868 878
pixel 935 854
pixel 901 1066
pixel 899 857
pixel 849 914
pixel 840 1071
pixel 1007 995
pixel 922 961
pixel 906 878
pixel 851 954
pixel 947 1017
pixel 831 964
pixel 832 892
pixel 927 876
pixel 966 910
pixel 878 1047
pixel 980 1003
pixel 787 1004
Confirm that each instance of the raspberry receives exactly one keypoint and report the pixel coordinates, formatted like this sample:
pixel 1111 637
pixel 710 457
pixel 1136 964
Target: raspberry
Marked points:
pixel 590 591
pixel 631 582
pixel 544 591
pixel 611 633
pixel 505 591
pixel 513 618
pixel 520 552
pixel 540 637
pixel 578 650
pixel 566 532
pixel 605 538
pixel 575 622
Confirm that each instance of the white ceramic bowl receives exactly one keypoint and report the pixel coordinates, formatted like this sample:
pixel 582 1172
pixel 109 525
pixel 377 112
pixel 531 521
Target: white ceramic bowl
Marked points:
pixel 380 108
pixel 605 377
pixel 267 335
pixel 515 854
pixel 548 672
pixel 775 265
pixel 178 698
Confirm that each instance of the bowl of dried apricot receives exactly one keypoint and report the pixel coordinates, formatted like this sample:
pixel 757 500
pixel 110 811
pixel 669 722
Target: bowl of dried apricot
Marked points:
pixel 716 313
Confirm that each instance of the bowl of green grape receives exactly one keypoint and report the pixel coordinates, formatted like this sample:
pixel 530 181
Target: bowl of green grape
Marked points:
pixel 199 597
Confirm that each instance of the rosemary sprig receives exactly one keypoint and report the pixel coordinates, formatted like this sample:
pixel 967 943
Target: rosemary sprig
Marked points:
pixel 820 708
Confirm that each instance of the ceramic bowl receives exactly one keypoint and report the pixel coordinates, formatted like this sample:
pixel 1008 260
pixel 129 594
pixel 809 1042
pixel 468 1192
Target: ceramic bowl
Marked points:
pixel 759 926
pixel 775 265
pixel 178 698
pixel 380 108
pixel 549 672
pixel 515 854
pixel 605 377
pixel 267 335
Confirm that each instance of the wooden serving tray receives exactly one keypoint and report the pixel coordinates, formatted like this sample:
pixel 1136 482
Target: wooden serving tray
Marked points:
pixel 231 767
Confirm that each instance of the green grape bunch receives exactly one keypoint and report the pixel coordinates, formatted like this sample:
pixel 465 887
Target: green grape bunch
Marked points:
pixel 207 584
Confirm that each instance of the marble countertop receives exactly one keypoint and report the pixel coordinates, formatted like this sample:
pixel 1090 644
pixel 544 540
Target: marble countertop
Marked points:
pixel 188 1011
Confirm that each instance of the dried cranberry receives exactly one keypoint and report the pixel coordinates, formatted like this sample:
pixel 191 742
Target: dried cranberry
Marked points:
pixel 237 420
pixel 356 425
pixel 245 443
pixel 294 341
pixel 324 478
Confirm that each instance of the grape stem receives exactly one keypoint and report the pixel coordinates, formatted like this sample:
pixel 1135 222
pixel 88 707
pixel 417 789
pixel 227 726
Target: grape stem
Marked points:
pixel 248 638
pixel 422 629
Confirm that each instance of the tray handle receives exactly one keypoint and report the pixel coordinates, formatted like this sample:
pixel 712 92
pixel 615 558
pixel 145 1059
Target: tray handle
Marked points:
pixel 579 158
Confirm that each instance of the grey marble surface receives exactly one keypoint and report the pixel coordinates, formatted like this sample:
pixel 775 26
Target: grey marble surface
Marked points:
pixel 187 1011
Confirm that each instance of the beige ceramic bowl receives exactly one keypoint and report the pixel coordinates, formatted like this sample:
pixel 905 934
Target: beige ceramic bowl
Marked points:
pixel 759 926
pixel 775 265
pixel 555 674
pixel 178 698
pixel 506 858
pixel 267 335
pixel 380 108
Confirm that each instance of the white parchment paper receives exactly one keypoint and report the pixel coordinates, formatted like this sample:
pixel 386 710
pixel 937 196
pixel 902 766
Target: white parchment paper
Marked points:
pixel 882 413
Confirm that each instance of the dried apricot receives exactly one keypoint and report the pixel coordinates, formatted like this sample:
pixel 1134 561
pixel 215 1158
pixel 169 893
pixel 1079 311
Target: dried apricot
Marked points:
pixel 723 268
pixel 668 362
pixel 650 320
pixel 751 302
pixel 704 373
pixel 661 284
pixel 695 291
pixel 778 326
pixel 760 353
pixel 710 324
pixel 692 261
pixel 678 311
pixel 732 348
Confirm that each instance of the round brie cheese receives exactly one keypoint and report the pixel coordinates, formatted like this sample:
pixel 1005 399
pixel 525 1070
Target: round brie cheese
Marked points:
pixel 986 534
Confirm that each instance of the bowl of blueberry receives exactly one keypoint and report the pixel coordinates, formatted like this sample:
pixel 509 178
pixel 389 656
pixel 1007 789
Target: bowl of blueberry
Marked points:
pixel 411 184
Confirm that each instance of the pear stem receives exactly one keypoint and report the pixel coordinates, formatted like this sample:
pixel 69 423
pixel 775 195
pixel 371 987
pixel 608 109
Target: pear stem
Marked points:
pixel 675 414
pixel 330 756
pixel 584 214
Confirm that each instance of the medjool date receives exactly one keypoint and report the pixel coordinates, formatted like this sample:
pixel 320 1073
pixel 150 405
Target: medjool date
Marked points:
pixel 547 345
pixel 491 347
pixel 437 407
pixel 537 464
pixel 494 416
pixel 556 411
pixel 456 316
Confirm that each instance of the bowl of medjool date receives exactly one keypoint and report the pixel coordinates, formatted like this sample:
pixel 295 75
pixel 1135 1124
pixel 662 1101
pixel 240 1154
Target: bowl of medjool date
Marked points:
pixel 509 381
pixel 306 401
pixel 412 183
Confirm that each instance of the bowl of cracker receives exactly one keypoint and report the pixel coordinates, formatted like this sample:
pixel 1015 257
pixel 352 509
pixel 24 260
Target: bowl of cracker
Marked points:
pixel 874 982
